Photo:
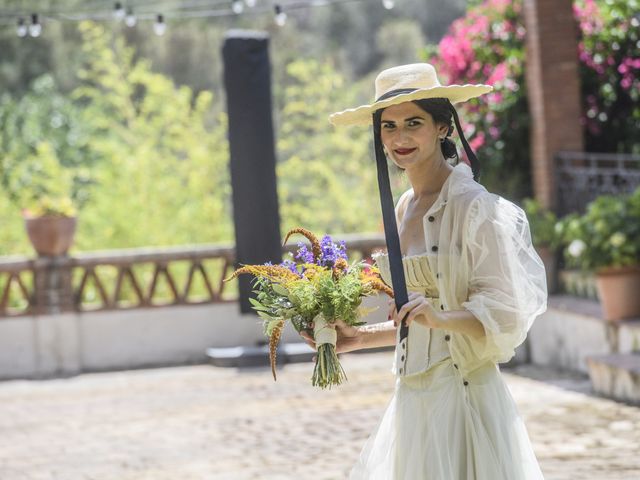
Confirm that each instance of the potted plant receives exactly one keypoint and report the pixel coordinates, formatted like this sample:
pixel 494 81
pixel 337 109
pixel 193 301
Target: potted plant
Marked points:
pixel 48 209
pixel 542 223
pixel 45 167
pixel 606 241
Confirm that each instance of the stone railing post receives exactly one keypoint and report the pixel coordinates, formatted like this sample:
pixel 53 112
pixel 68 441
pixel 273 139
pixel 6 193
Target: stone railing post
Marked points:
pixel 53 292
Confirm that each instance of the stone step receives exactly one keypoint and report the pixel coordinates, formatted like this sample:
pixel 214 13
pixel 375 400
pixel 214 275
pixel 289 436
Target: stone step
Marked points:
pixel 616 375
pixel 573 329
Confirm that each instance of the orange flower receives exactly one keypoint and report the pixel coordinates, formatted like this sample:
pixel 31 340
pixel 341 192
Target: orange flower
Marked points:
pixel 339 267
pixel 276 333
pixel 379 285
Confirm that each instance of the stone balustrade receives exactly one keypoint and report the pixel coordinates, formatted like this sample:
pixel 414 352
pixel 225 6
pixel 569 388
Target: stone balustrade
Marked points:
pixel 131 278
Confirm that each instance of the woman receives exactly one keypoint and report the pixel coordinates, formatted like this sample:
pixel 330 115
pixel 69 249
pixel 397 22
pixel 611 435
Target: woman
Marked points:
pixel 475 287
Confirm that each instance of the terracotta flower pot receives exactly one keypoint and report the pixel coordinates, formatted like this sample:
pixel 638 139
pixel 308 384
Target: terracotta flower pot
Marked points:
pixel 51 235
pixel 619 292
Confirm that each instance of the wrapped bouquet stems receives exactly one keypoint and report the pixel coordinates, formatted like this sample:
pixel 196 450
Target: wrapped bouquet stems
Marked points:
pixel 328 371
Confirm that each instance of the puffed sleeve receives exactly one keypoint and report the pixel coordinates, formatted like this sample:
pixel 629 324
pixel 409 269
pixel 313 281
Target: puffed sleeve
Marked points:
pixel 507 280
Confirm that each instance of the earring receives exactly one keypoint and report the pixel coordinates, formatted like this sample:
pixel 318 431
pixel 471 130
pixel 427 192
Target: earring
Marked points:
pixel 442 139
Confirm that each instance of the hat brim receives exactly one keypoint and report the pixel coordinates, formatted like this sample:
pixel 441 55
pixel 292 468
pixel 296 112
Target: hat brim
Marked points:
pixel 455 93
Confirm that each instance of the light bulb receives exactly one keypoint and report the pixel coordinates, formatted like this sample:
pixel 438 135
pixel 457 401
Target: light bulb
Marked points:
pixel 237 6
pixel 118 11
pixel 130 20
pixel 35 29
pixel 21 29
pixel 281 17
pixel 250 3
pixel 159 27
pixel 388 4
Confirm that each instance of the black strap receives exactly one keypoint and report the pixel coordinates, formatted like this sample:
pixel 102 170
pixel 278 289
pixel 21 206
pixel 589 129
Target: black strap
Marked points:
pixel 391 232
pixel 393 93
pixel 473 160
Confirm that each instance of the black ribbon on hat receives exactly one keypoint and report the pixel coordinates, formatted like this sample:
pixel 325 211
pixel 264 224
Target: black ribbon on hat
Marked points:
pixel 392 238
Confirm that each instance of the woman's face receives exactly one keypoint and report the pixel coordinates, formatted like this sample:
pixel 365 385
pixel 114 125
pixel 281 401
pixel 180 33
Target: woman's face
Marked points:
pixel 409 134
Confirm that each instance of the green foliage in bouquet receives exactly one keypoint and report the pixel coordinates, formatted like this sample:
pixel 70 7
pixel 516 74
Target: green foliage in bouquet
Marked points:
pixel 318 290
pixel 338 296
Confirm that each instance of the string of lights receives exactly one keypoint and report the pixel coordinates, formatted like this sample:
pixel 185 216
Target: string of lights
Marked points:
pixel 132 12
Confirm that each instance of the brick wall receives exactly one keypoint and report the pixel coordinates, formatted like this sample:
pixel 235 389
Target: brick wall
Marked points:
pixel 553 89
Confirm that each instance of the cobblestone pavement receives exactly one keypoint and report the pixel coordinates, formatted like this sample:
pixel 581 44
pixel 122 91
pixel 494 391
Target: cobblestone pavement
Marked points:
pixel 203 422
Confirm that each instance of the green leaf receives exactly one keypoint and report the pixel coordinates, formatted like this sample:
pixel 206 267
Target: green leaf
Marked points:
pixel 265 315
pixel 257 305
pixel 280 289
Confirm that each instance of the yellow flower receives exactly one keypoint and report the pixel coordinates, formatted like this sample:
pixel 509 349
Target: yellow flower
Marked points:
pixel 272 272
pixel 312 270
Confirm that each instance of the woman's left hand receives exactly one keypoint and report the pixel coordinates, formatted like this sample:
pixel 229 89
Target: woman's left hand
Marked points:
pixel 420 310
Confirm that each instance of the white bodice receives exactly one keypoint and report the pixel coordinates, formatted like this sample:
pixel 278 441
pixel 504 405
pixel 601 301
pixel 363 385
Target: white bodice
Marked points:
pixel 423 346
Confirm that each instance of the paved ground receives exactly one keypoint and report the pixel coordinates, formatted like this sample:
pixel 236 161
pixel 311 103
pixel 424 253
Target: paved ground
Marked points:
pixel 203 422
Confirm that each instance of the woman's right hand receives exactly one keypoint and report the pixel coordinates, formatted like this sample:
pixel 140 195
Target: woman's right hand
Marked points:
pixel 348 337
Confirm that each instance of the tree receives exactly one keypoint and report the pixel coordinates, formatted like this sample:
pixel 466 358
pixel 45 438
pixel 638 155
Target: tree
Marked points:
pixel 164 172
pixel 327 177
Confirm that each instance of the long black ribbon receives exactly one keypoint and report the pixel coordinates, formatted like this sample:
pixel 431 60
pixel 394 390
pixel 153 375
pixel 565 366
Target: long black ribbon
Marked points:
pixel 475 164
pixel 391 231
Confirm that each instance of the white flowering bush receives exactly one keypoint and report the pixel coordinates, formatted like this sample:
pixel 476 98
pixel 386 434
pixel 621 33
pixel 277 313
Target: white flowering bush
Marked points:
pixel 607 235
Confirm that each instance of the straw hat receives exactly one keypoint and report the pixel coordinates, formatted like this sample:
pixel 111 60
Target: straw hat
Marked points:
pixel 403 84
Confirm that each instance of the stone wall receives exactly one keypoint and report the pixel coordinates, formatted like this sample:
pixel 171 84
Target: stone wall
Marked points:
pixel 71 343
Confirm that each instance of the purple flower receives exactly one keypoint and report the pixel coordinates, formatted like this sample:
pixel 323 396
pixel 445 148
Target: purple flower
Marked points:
pixel 304 254
pixel 331 252
pixel 291 266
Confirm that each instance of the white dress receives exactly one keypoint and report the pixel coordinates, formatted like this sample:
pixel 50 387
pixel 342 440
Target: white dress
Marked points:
pixel 452 416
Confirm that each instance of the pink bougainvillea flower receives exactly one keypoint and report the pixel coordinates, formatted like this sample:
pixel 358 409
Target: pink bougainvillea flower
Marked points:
pixel 498 75
pixel 494 98
pixel 477 141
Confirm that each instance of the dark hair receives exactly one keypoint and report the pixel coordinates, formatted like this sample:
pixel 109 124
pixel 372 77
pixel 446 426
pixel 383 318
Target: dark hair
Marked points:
pixel 439 109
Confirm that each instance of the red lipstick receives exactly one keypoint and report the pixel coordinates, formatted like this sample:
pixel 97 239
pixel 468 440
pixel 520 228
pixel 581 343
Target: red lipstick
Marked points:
pixel 404 151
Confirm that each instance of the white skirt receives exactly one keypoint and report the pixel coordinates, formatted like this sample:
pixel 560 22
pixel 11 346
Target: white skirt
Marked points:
pixel 437 428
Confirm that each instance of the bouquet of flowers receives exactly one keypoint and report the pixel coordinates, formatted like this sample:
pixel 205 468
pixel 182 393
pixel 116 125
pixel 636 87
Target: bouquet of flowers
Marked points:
pixel 318 289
